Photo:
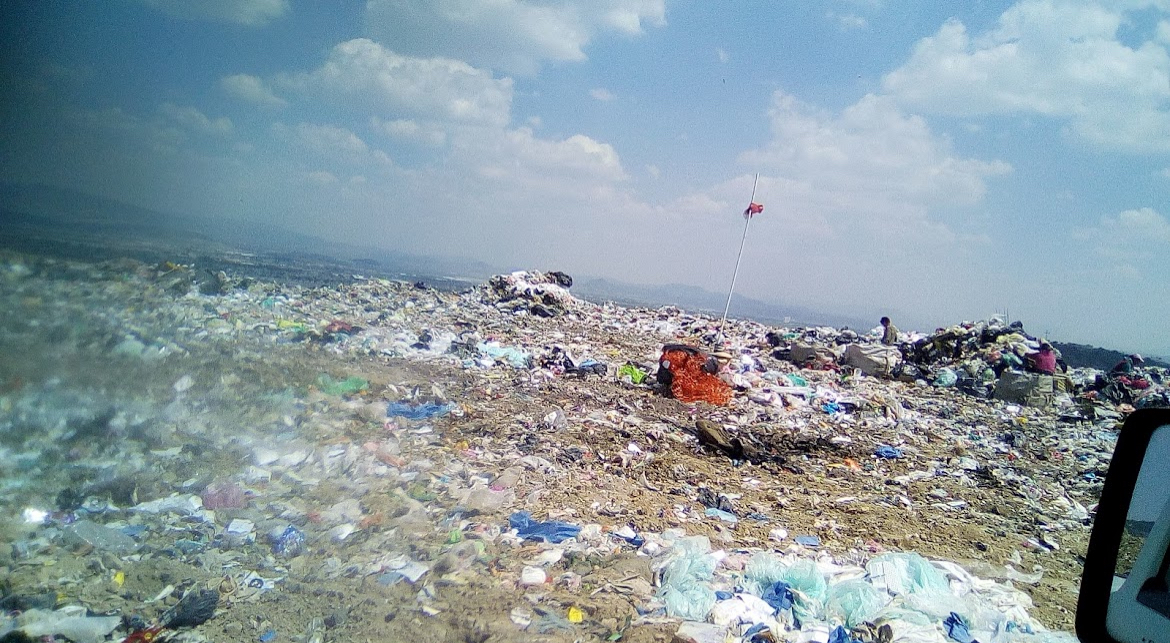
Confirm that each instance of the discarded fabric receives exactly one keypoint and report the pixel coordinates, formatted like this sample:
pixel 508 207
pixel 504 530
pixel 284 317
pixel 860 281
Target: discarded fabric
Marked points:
pixel 553 531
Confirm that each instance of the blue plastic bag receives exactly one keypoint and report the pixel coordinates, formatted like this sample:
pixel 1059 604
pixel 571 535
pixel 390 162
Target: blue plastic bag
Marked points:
pixel 887 452
pixel 418 411
pixel 553 531
pixel 779 596
pixel 840 635
pixel 957 629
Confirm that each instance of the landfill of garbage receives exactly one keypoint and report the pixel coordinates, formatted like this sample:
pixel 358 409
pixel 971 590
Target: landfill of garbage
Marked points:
pixel 201 457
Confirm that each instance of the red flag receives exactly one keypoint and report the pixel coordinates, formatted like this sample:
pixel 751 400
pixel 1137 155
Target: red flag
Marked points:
pixel 753 209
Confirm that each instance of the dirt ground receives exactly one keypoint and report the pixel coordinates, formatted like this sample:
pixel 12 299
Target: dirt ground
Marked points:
pixel 624 456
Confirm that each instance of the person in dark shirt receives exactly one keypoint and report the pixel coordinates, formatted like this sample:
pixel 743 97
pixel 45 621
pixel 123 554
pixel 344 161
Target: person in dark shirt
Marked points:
pixel 890 335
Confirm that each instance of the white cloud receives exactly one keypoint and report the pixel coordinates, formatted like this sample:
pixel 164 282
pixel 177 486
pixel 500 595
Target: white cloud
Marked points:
pixel 1132 238
pixel 1141 226
pixel 871 157
pixel 653 171
pixel 722 55
pixel 1053 59
pixel 427 133
pixel 366 75
pixel 518 157
pixel 513 35
pixel 849 21
pixel 1163 33
pixel 251 89
pixel 1166 172
pixel 252 13
pixel 321 177
pixel 328 139
pixel 195 120
pixel 602 94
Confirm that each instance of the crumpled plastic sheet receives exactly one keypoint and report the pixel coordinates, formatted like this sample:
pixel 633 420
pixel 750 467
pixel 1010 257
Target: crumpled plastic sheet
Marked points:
pixel 553 531
pixel 513 356
pixel 418 411
pixel 685 579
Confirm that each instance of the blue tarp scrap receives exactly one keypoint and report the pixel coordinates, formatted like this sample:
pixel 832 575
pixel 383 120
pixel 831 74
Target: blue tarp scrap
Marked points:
pixel 418 411
pixel 808 541
pixel 887 452
pixel 553 531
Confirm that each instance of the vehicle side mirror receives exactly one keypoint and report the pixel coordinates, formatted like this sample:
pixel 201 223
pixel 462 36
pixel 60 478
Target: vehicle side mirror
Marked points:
pixel 1125 587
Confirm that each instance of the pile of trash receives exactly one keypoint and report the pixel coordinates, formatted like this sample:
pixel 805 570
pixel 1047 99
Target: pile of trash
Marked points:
pixel 544 294
pixel 450 466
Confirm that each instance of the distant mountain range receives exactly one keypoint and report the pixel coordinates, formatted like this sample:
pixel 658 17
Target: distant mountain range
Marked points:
pixel 1102 358
pixel 65 222
pixel 696 299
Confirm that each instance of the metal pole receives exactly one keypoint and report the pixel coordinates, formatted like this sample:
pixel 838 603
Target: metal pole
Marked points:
pixel 747 222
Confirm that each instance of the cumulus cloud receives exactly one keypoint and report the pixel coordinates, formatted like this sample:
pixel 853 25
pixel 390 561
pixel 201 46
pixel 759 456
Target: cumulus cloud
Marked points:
pixel 404 129
pixel 602 94
pixel 870 157
pixel 325 139
pixel 251 89
pixel 1143 227
pixel 519 157
pixel 321 177
pixel 513 35
pixel 1129 239
pixel 849 21
pixel 194 120
pixel 366 75
pixel 722 55
pixel 1054 59
pixel 251 13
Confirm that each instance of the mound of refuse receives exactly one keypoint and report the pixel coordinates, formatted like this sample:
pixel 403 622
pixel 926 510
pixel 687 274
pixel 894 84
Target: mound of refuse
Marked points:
pixel 544 294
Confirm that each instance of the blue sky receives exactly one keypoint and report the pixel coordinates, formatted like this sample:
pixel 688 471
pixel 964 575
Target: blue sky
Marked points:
pixel 935 162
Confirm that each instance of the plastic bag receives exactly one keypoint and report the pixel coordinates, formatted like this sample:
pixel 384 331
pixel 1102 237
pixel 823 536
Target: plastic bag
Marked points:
pixel 553 531
pixel 418 411
pixel 808 586
pixel 685 590
pixel 762 572
pixel 920 584
pixel 855 602
pixel 946 378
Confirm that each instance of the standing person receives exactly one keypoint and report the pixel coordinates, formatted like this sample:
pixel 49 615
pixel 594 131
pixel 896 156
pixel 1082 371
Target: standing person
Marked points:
pixel 890 336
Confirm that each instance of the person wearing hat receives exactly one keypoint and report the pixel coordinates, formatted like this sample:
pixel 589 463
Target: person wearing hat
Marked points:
pixel 1043 360
pixel 1125 366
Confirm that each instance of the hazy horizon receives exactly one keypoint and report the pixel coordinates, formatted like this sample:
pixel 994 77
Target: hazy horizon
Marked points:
pixel 936 164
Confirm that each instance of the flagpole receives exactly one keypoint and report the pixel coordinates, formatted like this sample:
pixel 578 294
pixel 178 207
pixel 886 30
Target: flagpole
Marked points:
pixel 747 222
